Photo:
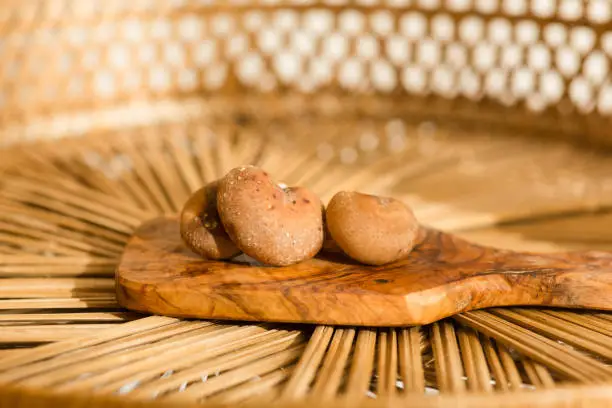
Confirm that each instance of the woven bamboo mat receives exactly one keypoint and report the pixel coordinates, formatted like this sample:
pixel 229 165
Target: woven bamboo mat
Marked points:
pixel 166 95
pixel 68 207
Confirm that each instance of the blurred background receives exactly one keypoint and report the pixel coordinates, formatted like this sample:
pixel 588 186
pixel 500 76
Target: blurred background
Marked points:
pixel 491 118
pixel 541 64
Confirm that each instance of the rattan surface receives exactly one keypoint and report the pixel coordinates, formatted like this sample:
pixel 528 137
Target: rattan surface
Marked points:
pixel 442 104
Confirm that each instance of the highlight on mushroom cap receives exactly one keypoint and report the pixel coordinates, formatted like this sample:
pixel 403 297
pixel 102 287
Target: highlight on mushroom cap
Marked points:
pixel 273 224
pixel 371 229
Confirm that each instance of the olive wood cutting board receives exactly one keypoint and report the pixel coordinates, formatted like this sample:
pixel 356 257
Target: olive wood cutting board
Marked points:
pixel 442 276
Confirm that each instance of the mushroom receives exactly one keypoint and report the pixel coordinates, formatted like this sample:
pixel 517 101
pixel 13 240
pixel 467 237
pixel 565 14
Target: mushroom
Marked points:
pixel 275 225
pixel 201 228
pixel 370 229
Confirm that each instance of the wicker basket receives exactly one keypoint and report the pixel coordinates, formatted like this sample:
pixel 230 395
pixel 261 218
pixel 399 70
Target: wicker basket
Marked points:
pixel 441 103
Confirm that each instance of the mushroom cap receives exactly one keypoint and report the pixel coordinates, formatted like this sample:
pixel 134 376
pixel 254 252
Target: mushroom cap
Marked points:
pixel 370 229
pixel 201 228
pixel 275 225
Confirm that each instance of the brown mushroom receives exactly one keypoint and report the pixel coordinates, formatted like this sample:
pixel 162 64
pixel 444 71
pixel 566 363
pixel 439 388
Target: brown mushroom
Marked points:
pixel 201 228
pixel 370 229
pixel 275 225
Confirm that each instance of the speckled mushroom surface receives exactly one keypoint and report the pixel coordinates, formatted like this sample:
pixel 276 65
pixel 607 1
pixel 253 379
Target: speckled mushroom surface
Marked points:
pixel 370 229
pixel 201 228
pixel 275 225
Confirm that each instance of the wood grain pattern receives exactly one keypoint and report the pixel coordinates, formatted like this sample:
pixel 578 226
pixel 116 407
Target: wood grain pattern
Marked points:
pixel 443 276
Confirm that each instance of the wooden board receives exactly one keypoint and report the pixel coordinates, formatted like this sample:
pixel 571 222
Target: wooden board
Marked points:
pixel 443 276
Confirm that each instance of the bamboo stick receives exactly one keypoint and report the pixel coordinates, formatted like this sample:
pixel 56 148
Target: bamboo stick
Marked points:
pixel 118 317
pixel 332 370
pixel 360 374
pixel 225 350
pixel 48 333
pixel 59 287
pixel 82 302
pixel 305 371
pixel 411 361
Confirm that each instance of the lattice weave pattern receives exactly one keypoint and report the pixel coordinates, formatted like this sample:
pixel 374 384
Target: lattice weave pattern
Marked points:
pixel 546 56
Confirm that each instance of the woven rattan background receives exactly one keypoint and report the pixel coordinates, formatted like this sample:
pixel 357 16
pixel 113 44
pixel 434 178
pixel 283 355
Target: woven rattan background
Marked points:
pixel 439 102
pixel 480 61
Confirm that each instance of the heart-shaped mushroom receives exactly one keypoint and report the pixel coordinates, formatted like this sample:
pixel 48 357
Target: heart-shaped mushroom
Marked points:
pixel 275 225
pixel 201 228
pixel 370 229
